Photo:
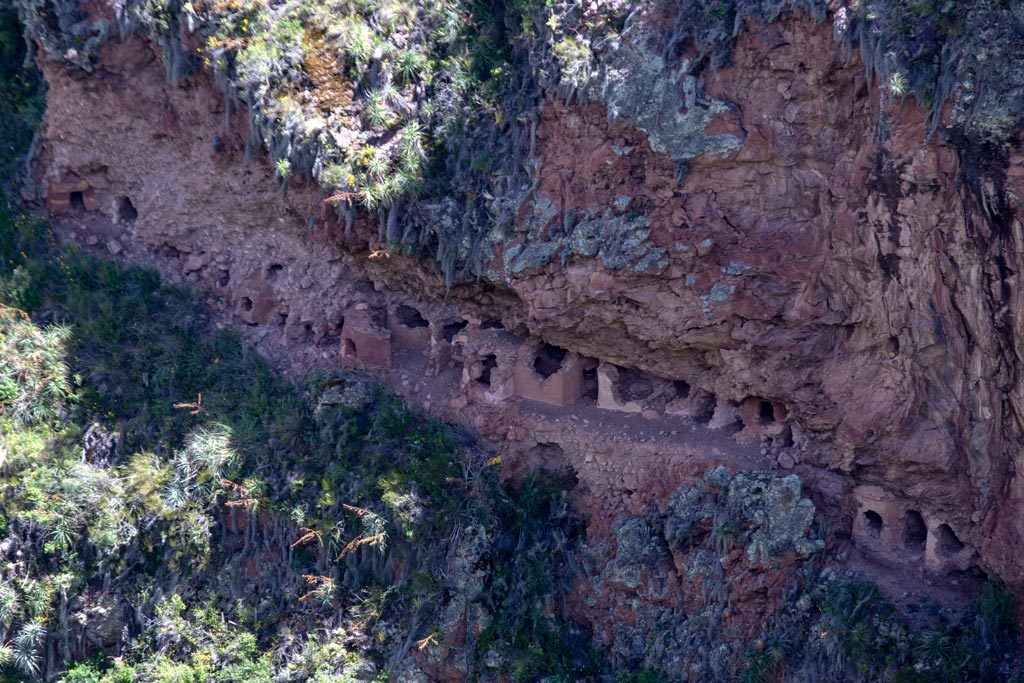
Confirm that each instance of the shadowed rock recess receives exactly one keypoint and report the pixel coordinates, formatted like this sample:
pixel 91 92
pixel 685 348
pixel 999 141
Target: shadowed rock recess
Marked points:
pixel 726 291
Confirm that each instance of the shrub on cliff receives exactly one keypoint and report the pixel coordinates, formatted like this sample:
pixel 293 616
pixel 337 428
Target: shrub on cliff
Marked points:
pixel 839 627
pixel 34 383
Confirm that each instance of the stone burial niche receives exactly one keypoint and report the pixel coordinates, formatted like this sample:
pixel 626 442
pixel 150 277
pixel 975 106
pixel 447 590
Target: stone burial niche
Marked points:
pixel 548 374
pixel 70 197
pixel 488 362
pixel 409 329
pixel 365 339
pixel 900 531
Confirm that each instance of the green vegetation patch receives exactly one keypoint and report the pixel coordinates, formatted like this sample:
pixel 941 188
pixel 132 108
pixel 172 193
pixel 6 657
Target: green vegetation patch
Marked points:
pixel 837 627
pixel 155 467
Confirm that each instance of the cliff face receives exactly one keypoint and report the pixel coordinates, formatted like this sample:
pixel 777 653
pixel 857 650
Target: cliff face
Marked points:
pixel 816 275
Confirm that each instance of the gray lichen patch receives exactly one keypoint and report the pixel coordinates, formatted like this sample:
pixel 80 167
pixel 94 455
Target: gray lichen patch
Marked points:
pixel 64 32
pixel 699 535
pixel 636 548
pixel 618 242
pixel 521 259
pixel 719 293
pixel 355 396
pixel 766 513
pixel 735 268
pixel 542 212
pixel 636 86
pixel 535 254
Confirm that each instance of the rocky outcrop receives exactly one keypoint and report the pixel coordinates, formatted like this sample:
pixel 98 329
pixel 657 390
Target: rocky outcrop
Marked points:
pixel 840 284
pixel 720 553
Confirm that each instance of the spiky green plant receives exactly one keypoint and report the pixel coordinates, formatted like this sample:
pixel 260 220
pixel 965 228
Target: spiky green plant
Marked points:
pixel 377 113
pixel 35 597
pixel 355 39
pixel 8 604
pixel 377 165
pixel 283 169
pixel 62 532
pixel 26 642
pixel 388 94
pixel 369 196
pixel 34 381
pixel 210 449
pixel 410 66
pixel 389 190
pixel 410 147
